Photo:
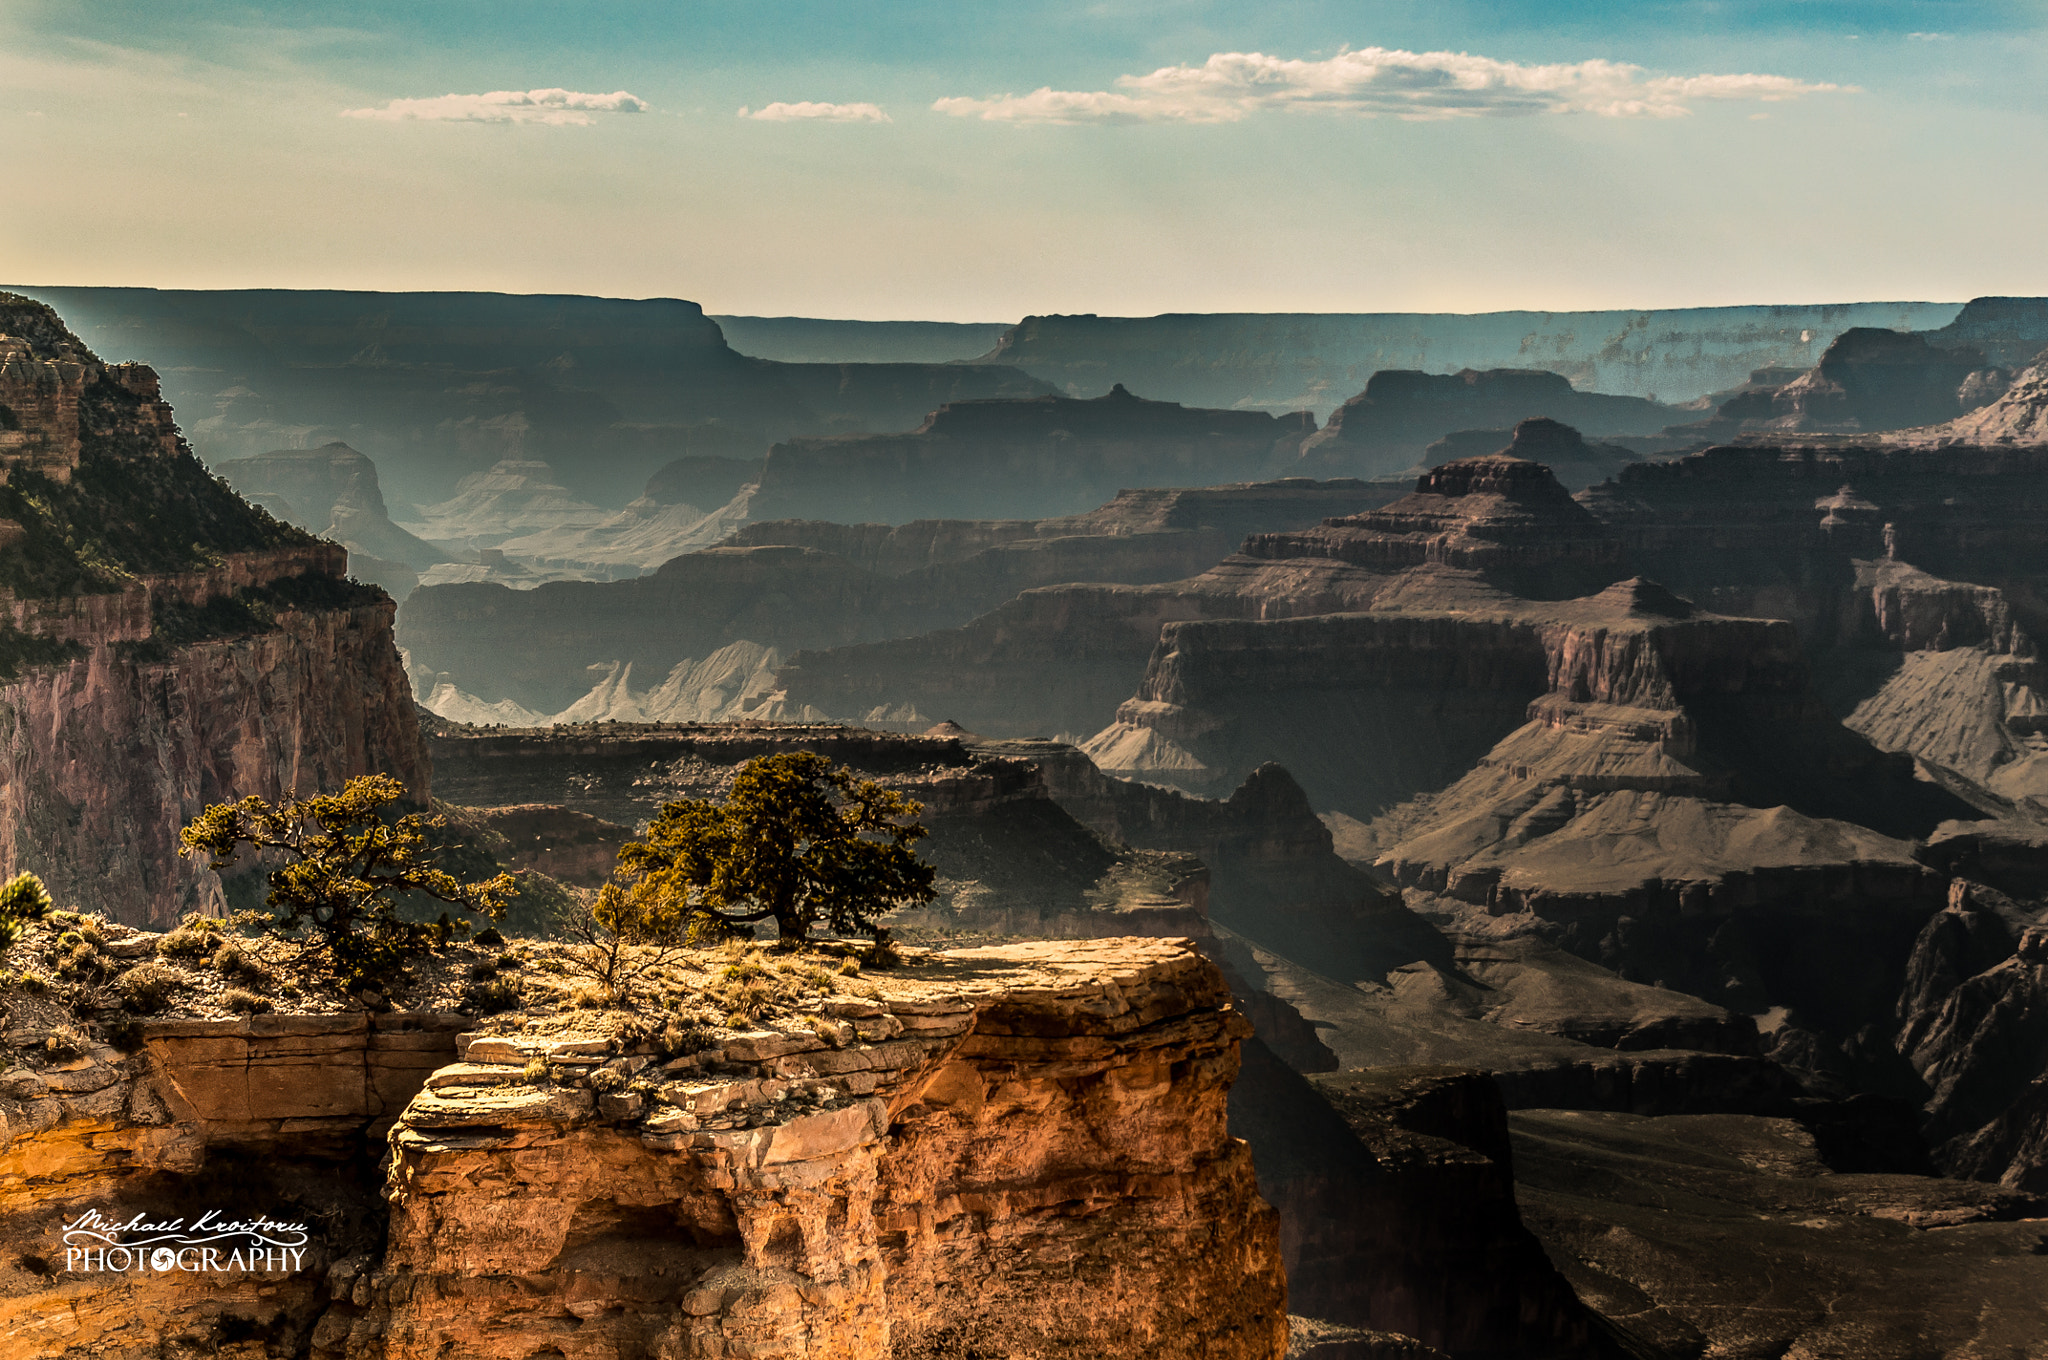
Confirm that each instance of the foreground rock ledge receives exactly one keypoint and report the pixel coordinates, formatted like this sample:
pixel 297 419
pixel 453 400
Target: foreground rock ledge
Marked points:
pixel 1035 1164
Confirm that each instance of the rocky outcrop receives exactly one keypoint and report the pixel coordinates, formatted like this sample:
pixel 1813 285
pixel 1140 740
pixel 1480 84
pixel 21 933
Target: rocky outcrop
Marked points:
pixel 1974 1024
pixel 700 481
pixel 1396 1195
pixel 1873 379
pixel 1284 362
pixel 436 386
pixel 332 491
pixel 781 586
pixel 1573 459
pixel 1383 431
pixel 886 1212
pixel 2010 331
pixel 1022 459
pixel 1739 1235
pixel 2019 415
pixel 1020 1148
pixel 168 646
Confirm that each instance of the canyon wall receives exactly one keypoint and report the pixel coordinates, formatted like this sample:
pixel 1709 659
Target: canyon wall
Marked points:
pixel 784 585
pixel 166 644
pixel 1015 1150
pixel 437 385
pixel 1023 459
pixel 1287 362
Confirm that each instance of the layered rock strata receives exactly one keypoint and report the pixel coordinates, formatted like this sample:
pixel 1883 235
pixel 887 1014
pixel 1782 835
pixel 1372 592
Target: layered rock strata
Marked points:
pixel 435 386
pixel 1383 431
pixel 778 587
pixel 166 645
pixel 1022 459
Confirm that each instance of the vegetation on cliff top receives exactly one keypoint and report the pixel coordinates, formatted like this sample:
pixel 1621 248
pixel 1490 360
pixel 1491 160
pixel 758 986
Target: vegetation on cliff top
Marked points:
pixel 346 864
pixel 799 840
pixel 129 509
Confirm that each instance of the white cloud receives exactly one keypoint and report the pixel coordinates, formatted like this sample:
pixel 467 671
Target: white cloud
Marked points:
pixel 779 112
pixel 1376 80
pixel 560 108
pixel 1931 37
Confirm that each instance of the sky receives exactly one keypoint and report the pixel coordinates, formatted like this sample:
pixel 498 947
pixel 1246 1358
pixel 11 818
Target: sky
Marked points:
pixel 963 161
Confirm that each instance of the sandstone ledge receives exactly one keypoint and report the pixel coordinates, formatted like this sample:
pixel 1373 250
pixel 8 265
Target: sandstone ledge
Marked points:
pixel 1017 1150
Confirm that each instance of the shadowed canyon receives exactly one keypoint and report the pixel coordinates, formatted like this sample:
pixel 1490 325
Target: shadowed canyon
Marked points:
pixel 1499 837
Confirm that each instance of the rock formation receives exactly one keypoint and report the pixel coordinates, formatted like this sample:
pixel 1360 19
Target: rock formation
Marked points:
pixel 1385 429
pixel 435 386
pixel 167 645
pixel 1020 1149
pixel 1022 459
pixel 703 634
pixel 1738 1235
pixel 332 491
pixel 2010 331
pixel 1870 380
pixel 1574 460
pixel 2019 415
pixel 1288 362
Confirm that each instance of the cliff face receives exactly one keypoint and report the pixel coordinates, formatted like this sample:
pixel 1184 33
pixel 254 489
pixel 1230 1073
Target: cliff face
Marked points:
pixel 1383 430
pixel 435 386
pixel 1029 1155
pixel 1287 362
pixel 781 586
pixel 167 645
pixel 333 491
pixel 1022 459
pixel 1872 379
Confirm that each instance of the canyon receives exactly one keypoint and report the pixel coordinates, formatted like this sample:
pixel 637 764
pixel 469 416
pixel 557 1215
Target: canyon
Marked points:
pixel 167 644
pixel 1456 911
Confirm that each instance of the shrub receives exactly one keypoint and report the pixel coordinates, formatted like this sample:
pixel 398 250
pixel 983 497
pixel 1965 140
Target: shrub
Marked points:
pixel 245 1003
pixel 195 935
pixel 147 989
pixel 535 1071
pixel 234 964
pixel 80 962
pixel 22 899
pixel 346 867
pixel 490 997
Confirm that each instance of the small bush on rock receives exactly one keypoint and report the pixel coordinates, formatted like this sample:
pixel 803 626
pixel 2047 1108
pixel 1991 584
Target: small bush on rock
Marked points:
pixel 147 989
pixel 22 899
pixel 244 1003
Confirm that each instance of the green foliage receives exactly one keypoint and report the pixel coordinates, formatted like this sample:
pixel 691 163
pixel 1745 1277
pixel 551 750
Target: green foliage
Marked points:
pixel 195 935
pixel 129 509
pixel 23 898
pixel 21 651
pixel 799 840
pixel 346 862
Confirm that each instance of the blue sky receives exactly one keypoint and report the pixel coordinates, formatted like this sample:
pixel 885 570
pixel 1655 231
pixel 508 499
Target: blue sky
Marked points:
pixel 981 162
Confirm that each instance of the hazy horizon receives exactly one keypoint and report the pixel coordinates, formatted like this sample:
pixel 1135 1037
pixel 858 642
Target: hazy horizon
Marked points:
pixel 1057 157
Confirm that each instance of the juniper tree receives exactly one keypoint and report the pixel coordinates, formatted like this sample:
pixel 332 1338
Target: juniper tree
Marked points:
pixel 799 840
pixel 347 861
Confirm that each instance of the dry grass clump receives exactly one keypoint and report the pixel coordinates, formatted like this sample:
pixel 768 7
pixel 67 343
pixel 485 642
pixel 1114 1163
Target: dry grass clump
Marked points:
pixel 147 988
pixel 233 962
pixel 195 935
pixel 245 1003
